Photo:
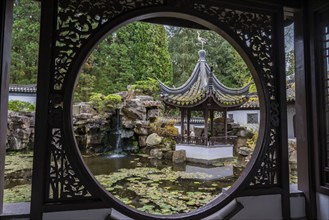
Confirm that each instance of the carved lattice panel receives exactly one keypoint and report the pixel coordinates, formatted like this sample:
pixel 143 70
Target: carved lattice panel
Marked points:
pixel 256 33
pixel 76 22
pixel 64 184
pixel 79 20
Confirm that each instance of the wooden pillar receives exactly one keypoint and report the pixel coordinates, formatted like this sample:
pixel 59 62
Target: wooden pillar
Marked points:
pixel 188 125
pixel 225 123
pixel 212 122
pixel 206 126
pixel 182 116
pixel 41 143
pixel 6 13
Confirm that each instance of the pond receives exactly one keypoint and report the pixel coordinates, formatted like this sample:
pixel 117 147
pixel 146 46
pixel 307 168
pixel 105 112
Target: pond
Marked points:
pixel 160 186
pixel 150 185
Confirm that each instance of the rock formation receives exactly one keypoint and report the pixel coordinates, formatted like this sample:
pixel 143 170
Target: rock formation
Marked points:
pixel 20 131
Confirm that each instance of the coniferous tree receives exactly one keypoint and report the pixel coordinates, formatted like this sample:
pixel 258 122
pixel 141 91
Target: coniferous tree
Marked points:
pixel 225 61
pixel 135 52
pixel 25 42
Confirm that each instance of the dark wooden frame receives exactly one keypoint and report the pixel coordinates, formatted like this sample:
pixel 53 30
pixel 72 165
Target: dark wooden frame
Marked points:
pixel 6 14
pixel 304 112
pixel 321 19
pixel 308 119
pixel 40 150
pixel 57 118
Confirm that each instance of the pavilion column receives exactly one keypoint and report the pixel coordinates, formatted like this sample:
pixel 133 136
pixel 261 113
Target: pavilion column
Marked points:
pixel 212 122
pixel 188 125
pixel 182 116
pixel 206 126
pixel 225 123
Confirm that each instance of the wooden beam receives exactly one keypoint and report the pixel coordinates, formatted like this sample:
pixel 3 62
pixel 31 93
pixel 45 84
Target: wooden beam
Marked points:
pixel 6 13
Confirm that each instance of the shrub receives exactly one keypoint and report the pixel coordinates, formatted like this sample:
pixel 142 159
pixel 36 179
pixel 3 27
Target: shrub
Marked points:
pixel 170 131
pixel 149 86
pixel 105 103
pixel 156 126
pixel 251 142
pixel 20 106
pixel 164 129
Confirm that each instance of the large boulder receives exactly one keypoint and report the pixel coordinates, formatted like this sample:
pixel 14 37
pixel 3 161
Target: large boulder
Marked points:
pixel 244 133
pixel 144 98
pixel 94 135
pixel 142 128
pixel 168 143
pixel 80 134
pixel 168 155
pixel 89 129
pixel 153 140
pixel 83 107
pixel 156 153
pixel 139 108
pixel 179 156
pixel 153 113
pixel 127 123
pixel 245 151
pixel 141 131
pixel 142 141
pixel 134 110
pixel 241 142
pixel 127 133
pixel 20 130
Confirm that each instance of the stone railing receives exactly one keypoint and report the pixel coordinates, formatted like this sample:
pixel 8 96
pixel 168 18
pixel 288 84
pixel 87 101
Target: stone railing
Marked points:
pixel 190 140
pixel 229 139
pixel 177 120
pixel 205 141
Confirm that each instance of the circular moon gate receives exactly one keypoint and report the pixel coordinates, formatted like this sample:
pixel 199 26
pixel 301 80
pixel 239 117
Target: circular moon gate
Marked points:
pixel 82 24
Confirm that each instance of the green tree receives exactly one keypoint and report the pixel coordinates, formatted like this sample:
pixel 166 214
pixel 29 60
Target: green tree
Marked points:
pixel 136 52
pixel 183 50
pixel 86 83
pixel 25 42
pixel 225 61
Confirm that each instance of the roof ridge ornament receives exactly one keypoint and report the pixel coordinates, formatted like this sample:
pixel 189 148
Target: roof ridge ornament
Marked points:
pixel 202 55
pixel 202 40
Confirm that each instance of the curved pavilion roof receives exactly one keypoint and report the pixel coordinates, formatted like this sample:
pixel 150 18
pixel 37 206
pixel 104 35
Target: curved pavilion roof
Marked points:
pixel 204 87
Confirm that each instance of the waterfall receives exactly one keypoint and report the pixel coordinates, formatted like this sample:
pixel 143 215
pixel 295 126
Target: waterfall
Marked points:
pixel 115 132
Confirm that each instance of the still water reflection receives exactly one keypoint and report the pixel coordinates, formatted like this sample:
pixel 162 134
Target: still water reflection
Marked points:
pixel 160 186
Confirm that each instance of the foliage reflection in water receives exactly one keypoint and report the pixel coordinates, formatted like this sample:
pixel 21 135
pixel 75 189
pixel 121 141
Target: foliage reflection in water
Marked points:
pixel 160 186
